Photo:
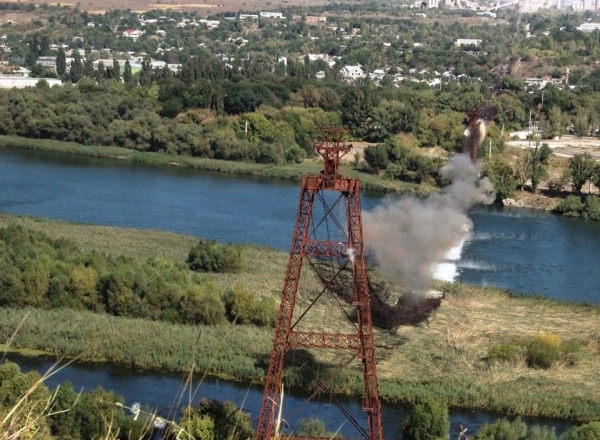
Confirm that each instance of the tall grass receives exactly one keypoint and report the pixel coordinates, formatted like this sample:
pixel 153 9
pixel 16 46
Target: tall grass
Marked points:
pixel 229 351
pixel 285 172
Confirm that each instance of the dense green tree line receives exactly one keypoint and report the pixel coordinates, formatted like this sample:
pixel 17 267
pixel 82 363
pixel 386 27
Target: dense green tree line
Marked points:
pixel 36 271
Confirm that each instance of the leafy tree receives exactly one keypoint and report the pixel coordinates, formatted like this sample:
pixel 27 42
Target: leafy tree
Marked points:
pixel 581 168
pixel 539 163
pixel 503 429
pixel 589 431
pixel 313 427
pixel 572 206
pixel 202 305
pixel 127 75
pixel 29 400
pixel 377 157
pixel 210 256
pixel 295 154
pixel 428 420
pixel 76 71
pixel 357 108
pixel 502 177
pixel 230 423
pixel 595 178
pixel 61 62
pixel 117 69
pixel 195 426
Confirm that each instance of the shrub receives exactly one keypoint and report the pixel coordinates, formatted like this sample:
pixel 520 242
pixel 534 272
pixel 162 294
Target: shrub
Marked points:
pixel 543 350
pixel 589 431
pixel 571 352
pixel 511 351
pixel 295 154
pixel 592 208
pixel 557 185
pixel 541 433
pixel 503 429
pixel 210 256
pixel 571 206
pixel 243 308
pixel 312 427
pixel 230 423
pixel 427 421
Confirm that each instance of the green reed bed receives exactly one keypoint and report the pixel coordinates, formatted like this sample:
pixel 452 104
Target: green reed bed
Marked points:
pixel 284 172
pixel 229 350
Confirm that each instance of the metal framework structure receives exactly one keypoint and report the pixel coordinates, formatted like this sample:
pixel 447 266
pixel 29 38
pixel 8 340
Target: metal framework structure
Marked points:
pixel 310 249
pixel 475 122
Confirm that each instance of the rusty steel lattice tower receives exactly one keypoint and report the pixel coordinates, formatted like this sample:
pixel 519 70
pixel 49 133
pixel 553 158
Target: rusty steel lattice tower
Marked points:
pixel 312 248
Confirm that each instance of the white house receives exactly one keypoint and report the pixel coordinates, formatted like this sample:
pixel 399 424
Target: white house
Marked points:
pixel 378 74
pixel 132 33
pixel 352 72
pixel 161 33
pixel 468 42
pixel 271 14
pixel 19 82
pixel 588 27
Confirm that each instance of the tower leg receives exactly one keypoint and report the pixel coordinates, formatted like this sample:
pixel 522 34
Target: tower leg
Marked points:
pixel 371 403
pixel 284 318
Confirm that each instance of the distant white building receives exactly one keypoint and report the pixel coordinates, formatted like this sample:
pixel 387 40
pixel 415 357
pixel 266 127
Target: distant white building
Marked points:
pixel 19 82
pixel 132 33
pixel 426 4
pixel 211 24
pixel 588 27
pixel 271 14
pixel 352 72
pixel 49 62
pixel 468 42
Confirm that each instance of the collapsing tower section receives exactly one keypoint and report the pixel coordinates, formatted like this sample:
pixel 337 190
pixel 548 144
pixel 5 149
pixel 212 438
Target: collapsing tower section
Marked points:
pixel 330 245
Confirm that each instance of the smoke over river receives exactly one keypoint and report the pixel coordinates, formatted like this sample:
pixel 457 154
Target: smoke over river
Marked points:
pixel 410 237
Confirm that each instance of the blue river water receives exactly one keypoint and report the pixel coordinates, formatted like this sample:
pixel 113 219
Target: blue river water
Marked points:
pixel 525 251
pixel 521 250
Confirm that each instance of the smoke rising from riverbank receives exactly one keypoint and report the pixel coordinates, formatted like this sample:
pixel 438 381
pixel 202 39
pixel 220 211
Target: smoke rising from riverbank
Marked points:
pixel 409 236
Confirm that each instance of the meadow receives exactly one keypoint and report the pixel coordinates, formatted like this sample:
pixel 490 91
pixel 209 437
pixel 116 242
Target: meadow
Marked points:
pixel 447 357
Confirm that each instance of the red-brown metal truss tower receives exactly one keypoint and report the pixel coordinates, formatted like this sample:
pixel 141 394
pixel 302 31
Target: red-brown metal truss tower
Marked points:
pixel 308 248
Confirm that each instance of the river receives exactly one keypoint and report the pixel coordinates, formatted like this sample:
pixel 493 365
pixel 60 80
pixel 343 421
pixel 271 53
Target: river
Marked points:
pixel 525 251
pixel 160 392
pixel 521 250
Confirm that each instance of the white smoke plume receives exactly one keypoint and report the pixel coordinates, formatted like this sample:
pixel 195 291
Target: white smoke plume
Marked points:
pixel 410 236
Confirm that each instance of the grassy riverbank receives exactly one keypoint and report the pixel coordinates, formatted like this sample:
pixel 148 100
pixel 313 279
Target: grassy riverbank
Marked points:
pixel 446 358
pixel 286 172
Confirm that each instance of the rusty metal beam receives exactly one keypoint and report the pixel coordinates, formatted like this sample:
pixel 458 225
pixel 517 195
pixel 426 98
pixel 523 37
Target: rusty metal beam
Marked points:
pixel 336 341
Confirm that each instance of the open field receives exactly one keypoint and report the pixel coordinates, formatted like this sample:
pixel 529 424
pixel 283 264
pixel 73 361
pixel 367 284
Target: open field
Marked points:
pixel 203 7
pixel 445 358
pixel 567 146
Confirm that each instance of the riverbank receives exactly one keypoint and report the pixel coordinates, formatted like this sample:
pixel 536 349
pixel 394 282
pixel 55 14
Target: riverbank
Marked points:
pixel 520 199
pixel 453 348
pixel 285 172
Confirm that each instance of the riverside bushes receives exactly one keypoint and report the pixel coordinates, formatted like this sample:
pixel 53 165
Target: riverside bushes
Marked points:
pixel 210 256
pixel 39 272
pixel 540 351
pixel 428 420
pixel 587 206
